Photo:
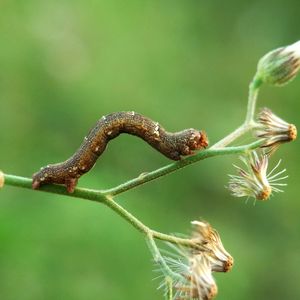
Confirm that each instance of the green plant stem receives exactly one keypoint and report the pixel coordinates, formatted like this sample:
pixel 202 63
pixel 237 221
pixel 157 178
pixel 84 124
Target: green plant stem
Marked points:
pixel 99 195
pixel 249 122
pixel 232 136
pixel 169 284
pixel 126 215
pixel 83 193
pixel 146 177
pixel 145 229
pixel 160 260
pixel 253 93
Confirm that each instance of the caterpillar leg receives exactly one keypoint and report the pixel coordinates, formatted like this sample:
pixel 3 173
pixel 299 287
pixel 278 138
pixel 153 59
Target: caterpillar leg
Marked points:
pixel 35 184
pixel 71 184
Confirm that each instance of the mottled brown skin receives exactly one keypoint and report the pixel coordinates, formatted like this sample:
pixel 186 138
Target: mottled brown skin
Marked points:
pixel 172 145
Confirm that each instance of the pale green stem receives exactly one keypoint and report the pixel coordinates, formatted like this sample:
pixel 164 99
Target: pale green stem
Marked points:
pixel 135 222
pixel 145 229
pixel 146 177
pixel 98 196
pixel 249 122
pixel 169 283
pixel 232 136
pixel 160 260
pixel 84 193
pixel 175 240
pixel 253 93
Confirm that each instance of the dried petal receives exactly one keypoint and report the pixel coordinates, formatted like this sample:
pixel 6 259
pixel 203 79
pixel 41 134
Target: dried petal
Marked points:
pixel 255 182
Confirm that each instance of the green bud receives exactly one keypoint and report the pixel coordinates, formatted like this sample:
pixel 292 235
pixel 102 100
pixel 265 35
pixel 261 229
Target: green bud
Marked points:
pixel 279 66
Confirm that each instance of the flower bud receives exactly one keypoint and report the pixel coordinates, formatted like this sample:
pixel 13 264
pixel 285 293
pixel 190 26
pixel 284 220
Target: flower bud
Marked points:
pixel 279 66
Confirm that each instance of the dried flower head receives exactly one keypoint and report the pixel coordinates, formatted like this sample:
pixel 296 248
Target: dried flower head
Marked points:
pixel 196 280
pixel 274 130
pixel 191 269
pixel 201 284
pixel 204 234
pixel 280 66
pixel 255 181
pixel 1 179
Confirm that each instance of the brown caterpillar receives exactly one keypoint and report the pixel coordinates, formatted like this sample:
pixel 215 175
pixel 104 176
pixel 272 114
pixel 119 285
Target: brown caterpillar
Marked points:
pixel 172 145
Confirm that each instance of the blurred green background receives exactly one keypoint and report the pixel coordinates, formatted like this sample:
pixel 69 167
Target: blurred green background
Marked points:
pixel 64 64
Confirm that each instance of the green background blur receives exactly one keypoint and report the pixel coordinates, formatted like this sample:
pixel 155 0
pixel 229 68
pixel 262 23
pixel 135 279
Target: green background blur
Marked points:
pixel 64 64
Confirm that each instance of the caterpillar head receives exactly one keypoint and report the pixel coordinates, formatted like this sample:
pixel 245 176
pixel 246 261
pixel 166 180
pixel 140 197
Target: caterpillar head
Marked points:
pixel 197 140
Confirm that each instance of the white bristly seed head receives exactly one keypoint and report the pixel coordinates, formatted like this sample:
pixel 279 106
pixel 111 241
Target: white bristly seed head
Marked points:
pixel 193 267
pixel 255 181
pixel 196 280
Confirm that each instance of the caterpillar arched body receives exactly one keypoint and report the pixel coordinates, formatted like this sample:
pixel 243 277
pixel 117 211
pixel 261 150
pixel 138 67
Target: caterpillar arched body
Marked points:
pixel 172 145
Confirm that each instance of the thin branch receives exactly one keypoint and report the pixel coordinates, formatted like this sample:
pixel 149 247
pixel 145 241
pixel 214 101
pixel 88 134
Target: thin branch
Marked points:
pixel 83 193
pixel 253 93
pixel 249 122
pixel 232 136
pixel 175 240
pixel 98 196
pixel 121 211
pixel 169 284
pixel 140 226
pixel 160 260
pixel 146 177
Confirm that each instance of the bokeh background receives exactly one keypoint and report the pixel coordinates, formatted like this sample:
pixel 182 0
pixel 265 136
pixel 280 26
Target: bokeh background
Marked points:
pixel 64 64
